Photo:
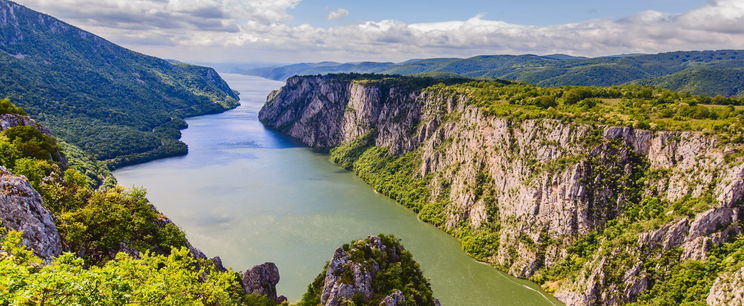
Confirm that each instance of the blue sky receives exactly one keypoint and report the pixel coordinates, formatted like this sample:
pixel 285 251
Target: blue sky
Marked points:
pixel 529 12
pixel 384 30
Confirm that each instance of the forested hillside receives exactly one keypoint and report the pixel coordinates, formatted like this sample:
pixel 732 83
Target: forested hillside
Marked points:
pixel 700 72
pixel 121 106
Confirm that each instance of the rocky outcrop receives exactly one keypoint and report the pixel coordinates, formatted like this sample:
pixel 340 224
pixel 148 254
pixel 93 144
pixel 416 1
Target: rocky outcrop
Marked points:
pixel 21 210
pixel 351 275
pixel 548 182
pixel 728 289
pixel 336 289
pixel 262 279
pixel 10 120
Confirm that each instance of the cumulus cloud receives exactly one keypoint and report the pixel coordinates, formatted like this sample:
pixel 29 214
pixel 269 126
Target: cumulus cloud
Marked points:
pixel 262 30
pixel 338 14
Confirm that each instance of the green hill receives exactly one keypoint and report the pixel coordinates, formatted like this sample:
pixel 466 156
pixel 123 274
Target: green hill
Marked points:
pixel 708 81
pixel 719 76
pixel 120 105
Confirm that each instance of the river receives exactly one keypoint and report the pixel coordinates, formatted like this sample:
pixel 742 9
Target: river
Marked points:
pixel 250 195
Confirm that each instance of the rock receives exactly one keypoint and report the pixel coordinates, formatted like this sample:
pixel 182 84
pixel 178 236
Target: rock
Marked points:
pixel 262 279
pixel 710 221
pixel 394 299
pixel 727 289
pixel 281 299
pixel 348 279
pixel 218 264
pixel 11 120
pixel 21 209
pixel 336 289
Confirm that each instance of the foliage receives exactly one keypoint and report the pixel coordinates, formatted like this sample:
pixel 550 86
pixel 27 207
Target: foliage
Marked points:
pixel 700 72
pixel 689 282
pixel 112 102
pixel 8 108
pixel 106 219
pixel 95 224
pixel 397 271
pixel 32 143
pixel 174 279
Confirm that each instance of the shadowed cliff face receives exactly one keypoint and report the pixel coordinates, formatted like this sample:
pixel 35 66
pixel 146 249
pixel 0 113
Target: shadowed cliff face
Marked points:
pixel 539 185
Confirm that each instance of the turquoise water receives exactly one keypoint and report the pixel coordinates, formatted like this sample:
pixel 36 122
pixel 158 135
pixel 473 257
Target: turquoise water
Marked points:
pixel 250 195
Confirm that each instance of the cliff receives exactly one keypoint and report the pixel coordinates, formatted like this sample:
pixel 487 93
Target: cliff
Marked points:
pixel 528 195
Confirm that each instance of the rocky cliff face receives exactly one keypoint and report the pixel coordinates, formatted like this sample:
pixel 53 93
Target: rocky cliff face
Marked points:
pixel 543 184
pixel 21 210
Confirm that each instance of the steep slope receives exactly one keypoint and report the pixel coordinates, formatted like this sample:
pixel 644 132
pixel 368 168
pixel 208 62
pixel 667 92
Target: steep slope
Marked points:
pixel 560 70
pixel 594 212
pixel 117 104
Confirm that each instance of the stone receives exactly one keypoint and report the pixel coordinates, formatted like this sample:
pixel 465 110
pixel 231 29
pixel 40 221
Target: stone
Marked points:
pixel 21 209
pixel 727 289
pixel 262 279
pixel 394 299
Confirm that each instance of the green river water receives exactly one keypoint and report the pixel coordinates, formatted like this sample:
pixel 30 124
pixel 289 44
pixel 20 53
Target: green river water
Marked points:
pixel 250 195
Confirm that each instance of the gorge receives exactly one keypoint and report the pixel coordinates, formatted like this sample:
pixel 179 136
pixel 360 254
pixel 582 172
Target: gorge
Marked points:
pixel 596 213
pixel 252 195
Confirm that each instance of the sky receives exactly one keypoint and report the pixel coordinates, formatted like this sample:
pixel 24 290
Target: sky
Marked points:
pixel 287 31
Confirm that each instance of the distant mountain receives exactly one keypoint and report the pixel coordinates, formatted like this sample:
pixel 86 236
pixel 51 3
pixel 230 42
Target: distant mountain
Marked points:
pixel 714 71
pixel 707 81
pixel 120 105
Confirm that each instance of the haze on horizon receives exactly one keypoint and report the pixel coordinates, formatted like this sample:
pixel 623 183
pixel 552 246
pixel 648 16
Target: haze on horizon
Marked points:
pixel 287 31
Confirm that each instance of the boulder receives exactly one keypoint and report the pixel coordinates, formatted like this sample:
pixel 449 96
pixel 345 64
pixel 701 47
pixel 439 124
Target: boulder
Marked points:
pixel 262 279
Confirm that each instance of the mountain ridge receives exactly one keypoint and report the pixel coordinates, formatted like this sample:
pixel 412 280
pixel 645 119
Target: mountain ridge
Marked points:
pixel 552 70
pixel 123 106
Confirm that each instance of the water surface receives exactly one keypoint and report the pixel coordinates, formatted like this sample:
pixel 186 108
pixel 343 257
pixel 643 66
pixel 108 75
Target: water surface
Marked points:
pixel 251 195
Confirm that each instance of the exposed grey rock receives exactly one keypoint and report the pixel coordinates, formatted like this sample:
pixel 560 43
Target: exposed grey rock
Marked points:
pixel 218 264
pixel 727 289
pixel 262 279
pixel 21 209
pixel 11 120
pixel 394 299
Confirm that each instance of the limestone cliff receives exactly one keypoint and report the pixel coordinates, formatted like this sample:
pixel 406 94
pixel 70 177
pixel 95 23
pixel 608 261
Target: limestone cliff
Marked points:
pixel 538 185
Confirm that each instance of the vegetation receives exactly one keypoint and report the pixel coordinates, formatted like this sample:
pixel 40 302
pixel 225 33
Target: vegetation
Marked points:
pixel 631 106
pixel 699 72
pixel 118 105
pixel 95 224
pixel 174 279
pixel 397 271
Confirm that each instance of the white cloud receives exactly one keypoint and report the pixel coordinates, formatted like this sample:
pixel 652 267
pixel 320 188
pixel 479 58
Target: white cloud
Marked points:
pixel 338 14
pixel 255 30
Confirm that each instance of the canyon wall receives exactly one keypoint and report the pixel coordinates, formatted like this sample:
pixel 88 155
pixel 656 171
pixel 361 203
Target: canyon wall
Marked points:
pixel 539 185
